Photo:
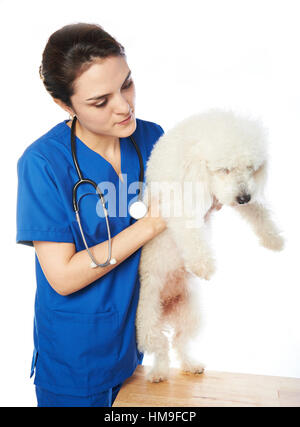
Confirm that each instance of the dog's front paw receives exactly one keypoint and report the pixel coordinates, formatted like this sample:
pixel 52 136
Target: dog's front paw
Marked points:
pixel 204 268
pixel 275 242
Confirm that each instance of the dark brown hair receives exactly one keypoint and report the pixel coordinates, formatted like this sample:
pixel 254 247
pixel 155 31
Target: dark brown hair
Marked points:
pixel 69 52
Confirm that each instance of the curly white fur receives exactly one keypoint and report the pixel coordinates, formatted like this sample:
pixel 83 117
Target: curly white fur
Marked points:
pixel 224 156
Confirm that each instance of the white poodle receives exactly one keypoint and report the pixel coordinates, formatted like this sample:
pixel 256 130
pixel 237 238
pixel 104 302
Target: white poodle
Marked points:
pixel 211 156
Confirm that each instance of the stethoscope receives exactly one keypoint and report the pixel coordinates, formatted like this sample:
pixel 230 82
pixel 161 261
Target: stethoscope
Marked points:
pixel 137 209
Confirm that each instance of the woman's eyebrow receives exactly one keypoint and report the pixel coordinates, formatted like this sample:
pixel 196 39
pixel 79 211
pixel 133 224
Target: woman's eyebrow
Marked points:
pixel 94 98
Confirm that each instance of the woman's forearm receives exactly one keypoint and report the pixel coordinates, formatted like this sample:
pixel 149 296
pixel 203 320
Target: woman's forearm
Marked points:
pixel 79 274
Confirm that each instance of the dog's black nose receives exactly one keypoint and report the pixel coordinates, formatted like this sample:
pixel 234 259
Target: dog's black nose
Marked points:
pixel 243 199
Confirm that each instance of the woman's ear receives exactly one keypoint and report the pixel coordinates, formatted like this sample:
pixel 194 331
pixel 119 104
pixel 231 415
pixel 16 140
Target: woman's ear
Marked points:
pixel 64 106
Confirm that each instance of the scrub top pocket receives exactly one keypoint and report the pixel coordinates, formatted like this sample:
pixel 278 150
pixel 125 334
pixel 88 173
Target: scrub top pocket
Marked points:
pixel 87 346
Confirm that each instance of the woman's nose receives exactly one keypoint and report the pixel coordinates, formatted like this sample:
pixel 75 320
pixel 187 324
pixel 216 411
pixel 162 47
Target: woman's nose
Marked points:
pixel 122 105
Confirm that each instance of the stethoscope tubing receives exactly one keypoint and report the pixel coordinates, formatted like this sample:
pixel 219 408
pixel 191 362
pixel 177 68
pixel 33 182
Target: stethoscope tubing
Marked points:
pixel 82 180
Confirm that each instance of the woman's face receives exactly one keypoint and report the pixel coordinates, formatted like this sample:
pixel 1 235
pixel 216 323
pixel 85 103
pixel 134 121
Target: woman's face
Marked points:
pixel 104 96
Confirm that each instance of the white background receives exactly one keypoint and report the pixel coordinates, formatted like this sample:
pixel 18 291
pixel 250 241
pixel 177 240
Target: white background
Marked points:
pixel 186 56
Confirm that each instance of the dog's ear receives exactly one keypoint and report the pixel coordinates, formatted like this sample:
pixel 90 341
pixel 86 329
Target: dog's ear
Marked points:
pixel 196 172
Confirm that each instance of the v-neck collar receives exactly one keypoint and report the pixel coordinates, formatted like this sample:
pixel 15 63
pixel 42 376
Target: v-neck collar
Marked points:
pixel 122 156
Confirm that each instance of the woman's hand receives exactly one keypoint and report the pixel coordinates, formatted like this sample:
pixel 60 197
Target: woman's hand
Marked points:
pixel 153 216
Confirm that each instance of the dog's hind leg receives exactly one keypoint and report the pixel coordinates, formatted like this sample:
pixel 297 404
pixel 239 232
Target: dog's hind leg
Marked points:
pixel 186 322
pixel 160 369
pixel 150 337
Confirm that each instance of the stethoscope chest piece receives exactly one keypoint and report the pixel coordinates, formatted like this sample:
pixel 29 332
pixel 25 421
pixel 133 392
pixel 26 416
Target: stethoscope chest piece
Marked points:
pixel 138 209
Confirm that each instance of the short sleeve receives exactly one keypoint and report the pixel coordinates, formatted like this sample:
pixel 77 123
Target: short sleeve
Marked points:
pixel 40 211
pixel 157 132
pixel 161 131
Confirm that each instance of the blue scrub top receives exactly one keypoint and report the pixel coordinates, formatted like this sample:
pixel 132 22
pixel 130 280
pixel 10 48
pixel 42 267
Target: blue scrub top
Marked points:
pixel 84 343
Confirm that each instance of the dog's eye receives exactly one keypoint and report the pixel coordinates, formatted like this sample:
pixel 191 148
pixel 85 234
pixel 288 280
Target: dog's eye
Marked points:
pixel 224 170
pixel 250 168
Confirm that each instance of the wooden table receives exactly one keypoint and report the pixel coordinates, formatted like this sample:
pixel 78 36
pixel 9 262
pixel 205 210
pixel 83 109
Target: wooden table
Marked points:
pixel 208 389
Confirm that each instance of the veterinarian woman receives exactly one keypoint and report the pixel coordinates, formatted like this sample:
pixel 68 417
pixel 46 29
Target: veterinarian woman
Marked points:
pixel 84 323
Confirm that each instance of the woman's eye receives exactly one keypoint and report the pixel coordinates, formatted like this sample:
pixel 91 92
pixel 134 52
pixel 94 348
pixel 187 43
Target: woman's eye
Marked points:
pixel 104 103
pixel 101 105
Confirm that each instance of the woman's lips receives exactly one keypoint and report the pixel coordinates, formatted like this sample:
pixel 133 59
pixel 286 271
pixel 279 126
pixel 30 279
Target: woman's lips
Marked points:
pixel 124 122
